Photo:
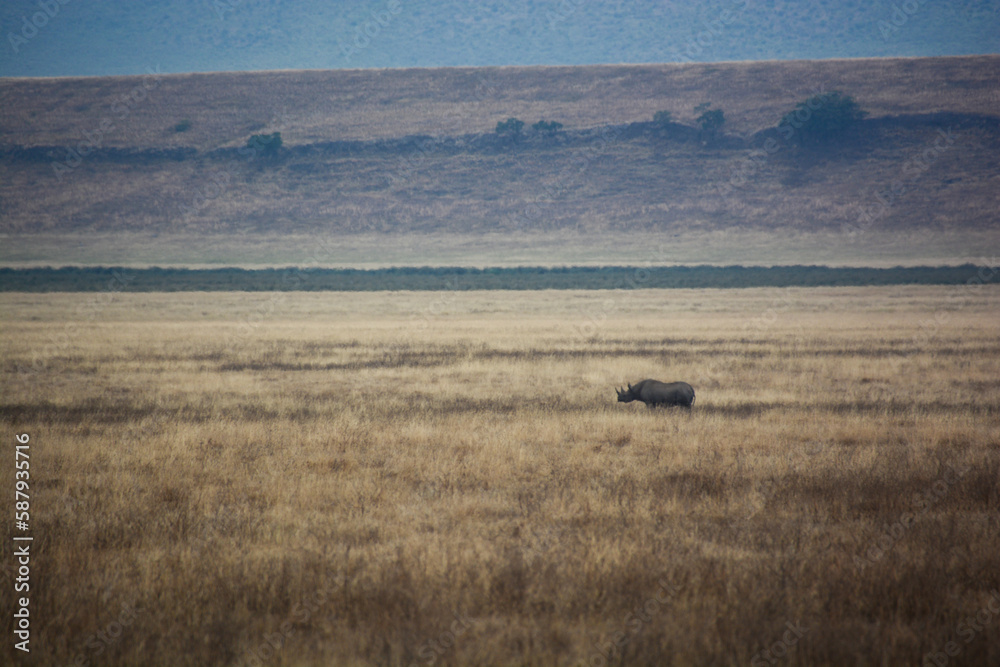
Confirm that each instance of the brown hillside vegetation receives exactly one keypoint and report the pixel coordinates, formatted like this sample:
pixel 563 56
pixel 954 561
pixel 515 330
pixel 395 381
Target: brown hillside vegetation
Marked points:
pixel 315 106
pixel 411 154
pixel 348 479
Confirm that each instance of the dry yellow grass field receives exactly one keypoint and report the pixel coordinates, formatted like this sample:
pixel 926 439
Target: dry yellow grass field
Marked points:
pixel 445 478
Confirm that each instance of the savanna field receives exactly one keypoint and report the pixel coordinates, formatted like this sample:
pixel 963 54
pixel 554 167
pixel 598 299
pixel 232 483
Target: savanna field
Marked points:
pixel 446 478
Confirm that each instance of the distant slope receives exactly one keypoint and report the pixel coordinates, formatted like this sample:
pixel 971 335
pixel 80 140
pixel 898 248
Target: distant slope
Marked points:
pixel 412 153
pixel 225 108
pixel 900 175
pixel 103 38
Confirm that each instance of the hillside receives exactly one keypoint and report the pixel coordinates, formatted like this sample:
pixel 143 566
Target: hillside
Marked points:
pixel 402 166
pixel 314 106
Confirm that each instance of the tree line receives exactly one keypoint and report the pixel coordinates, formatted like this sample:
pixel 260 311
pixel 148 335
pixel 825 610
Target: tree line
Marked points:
pixel 818 119
pixel 97 279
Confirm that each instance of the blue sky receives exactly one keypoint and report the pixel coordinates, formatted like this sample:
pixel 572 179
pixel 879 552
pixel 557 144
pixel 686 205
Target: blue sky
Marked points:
pixel 100 37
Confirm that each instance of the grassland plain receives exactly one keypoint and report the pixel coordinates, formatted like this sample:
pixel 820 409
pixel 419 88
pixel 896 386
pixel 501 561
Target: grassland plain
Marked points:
pixel 445 478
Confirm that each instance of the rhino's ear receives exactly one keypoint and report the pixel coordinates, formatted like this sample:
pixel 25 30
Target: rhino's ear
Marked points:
pixel 630 387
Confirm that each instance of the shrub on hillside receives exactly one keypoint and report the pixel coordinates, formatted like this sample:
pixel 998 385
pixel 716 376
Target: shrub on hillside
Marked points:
pixel 547 127
pixel 266 145
pixel 511 127
pixel 821 118
pixel 662 118
pixel 710 121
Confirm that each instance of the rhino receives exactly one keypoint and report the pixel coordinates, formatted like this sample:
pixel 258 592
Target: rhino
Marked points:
pixel 654 393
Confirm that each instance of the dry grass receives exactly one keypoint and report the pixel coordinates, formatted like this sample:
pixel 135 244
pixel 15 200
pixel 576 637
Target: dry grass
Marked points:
pixel 927 247
pixel 310 106
pixel 344 474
